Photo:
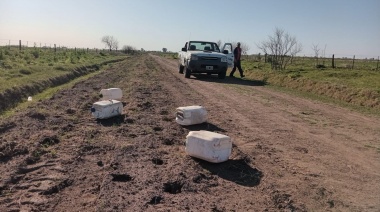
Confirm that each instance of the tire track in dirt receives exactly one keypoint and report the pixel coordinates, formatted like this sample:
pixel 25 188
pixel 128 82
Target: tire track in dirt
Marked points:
pixel 231 120
pixel 318 149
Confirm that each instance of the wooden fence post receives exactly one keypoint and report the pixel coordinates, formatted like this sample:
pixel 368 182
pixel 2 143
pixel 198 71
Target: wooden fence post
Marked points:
pixel 377 67
pixel 271 62
pixel 333 62
pixel 19 44
pixel 265 58
pixel 55 48
pixel 353 62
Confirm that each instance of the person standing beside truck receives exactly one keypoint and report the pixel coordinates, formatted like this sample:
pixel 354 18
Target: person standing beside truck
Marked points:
pixel 237 63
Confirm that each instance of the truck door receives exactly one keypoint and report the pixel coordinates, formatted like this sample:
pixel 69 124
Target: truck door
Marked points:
pixel 230 55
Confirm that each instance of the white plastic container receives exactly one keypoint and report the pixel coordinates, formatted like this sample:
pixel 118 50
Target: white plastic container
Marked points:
pixel 208 146
pixel 106 109
pixel 191 115
pixel 111 93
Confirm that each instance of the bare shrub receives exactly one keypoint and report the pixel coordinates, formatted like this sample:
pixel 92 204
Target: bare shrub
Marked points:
pixel 110 42
pixel 127 49
pixel 281 47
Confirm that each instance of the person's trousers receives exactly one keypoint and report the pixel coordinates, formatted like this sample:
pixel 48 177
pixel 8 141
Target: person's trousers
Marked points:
pixel 237 65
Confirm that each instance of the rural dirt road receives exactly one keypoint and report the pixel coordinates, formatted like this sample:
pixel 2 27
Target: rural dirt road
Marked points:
pixel 290 153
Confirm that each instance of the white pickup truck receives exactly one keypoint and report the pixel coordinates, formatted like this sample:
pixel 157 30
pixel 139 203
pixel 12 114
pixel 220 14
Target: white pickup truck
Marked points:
pixel 205 57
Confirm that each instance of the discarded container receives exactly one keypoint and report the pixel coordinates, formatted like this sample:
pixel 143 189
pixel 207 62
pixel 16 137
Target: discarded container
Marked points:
pixel 191 115
pixel 30 99
pixel 106 109
pixel 111 93
pixel 209 146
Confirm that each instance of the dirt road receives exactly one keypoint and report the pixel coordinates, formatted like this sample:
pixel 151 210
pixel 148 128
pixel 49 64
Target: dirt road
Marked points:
pixel 290 154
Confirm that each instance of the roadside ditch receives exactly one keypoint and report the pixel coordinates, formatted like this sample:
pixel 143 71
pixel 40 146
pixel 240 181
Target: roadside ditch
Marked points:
pixel 13 96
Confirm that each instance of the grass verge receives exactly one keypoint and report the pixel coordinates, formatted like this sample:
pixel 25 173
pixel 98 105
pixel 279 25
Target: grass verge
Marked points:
pixel 359 88
pixel 48 93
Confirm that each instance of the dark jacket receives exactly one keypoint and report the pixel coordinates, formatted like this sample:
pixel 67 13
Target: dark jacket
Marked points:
pixel 237 53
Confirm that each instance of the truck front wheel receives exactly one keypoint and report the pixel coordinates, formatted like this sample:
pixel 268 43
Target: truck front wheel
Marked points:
pixel 222 75
pixel 187 72
pixel 181 67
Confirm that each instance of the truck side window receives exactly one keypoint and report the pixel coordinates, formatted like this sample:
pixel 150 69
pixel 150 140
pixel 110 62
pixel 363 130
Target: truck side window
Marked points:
pixel 185 45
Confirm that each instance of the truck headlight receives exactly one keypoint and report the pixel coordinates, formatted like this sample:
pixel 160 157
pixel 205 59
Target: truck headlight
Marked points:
pixel 194 57
pixel 224 59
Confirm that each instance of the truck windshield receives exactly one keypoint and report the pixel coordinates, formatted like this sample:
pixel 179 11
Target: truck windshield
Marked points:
pixel 203 46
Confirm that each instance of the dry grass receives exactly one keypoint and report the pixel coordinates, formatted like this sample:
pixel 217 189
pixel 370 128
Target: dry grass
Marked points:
pixel 358 87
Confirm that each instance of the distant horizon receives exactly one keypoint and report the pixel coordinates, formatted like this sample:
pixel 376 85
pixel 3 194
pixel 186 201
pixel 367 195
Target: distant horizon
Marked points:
pixel 346 27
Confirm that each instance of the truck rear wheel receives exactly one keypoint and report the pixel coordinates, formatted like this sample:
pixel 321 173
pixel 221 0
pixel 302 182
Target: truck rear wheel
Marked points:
pixel 181 67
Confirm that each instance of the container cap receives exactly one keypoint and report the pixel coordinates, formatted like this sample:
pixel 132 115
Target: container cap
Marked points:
pixel 106 102
pixel 207 135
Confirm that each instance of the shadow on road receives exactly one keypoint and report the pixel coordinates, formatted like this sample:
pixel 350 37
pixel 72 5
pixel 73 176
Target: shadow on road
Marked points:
pixel 237 171
pixel 205 126
pixel 229 80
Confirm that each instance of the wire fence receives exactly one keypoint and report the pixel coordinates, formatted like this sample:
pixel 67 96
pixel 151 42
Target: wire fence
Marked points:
pixel 347 62
pixel 336 61
pixel 22 45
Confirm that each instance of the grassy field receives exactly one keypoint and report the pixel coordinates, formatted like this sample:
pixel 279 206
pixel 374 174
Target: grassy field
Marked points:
pixel 32 65
pixel 363 75
pixel 359 85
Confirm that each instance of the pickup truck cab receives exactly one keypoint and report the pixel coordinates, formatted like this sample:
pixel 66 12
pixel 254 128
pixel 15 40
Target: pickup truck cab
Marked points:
pixel 205 57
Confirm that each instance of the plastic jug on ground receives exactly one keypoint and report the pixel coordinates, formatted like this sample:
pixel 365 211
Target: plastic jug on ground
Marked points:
pixel 191 115
pixel 209 146
pixel 111 93
pixel 106 109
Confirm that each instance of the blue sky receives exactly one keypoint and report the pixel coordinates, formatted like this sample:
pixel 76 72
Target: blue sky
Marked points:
pixel 346 27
